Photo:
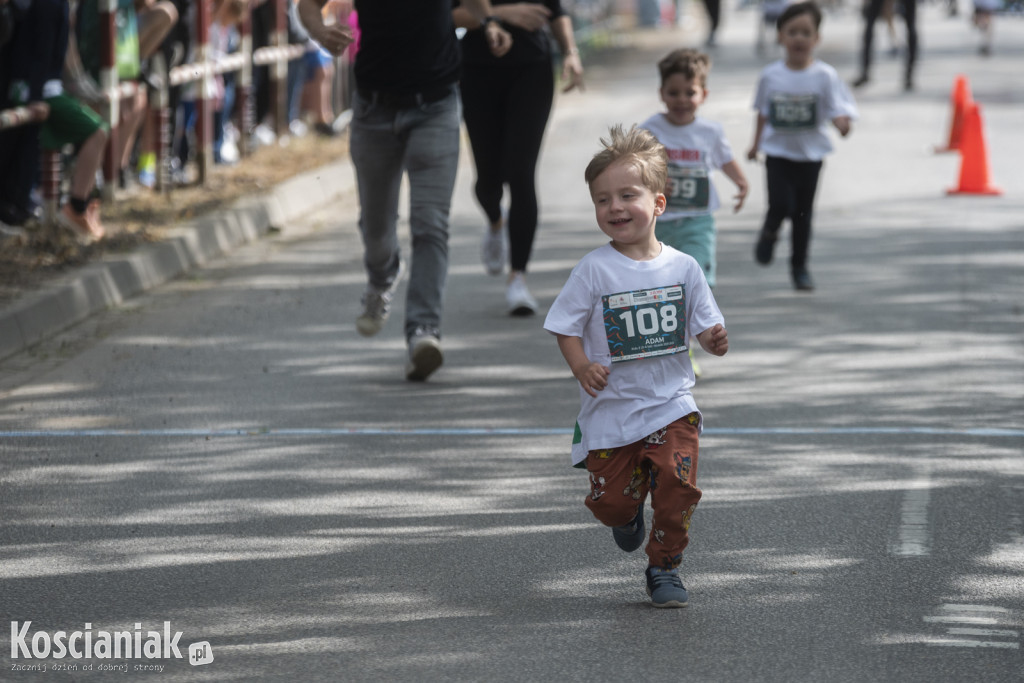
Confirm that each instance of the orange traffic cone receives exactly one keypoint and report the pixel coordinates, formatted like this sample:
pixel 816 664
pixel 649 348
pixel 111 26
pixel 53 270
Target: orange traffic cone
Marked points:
pixel 960 98
pixel 974 173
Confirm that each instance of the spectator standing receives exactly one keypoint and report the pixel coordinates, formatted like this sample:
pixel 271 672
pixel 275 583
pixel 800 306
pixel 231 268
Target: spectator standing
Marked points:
pixel 406 119
pixel 40 42
pixel 506 104
pixel 19 146
pixel 984 10
pixel 872 10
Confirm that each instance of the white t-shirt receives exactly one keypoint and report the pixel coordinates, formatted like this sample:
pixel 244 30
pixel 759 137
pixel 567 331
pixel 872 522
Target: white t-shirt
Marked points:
pixel 799 106
pixel 644 310
pixel 694 150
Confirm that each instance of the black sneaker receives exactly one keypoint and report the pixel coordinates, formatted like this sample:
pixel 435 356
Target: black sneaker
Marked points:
pixel 630 536
pixel 802 280
pixel 765 248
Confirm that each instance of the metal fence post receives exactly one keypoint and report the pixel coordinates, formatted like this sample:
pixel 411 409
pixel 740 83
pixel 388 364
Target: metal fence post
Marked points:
pixel 204 109
pixel 109 85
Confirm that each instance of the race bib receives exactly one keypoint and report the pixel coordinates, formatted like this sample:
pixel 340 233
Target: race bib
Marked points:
pixel 793 112
pixel 645 323
pixel 688 188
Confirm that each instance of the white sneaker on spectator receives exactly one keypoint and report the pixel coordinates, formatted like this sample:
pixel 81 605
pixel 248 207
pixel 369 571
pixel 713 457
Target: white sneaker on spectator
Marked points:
pixel 263 135
pixel 492 251
pixel 425 354
pixel 377 305
pixel 520 303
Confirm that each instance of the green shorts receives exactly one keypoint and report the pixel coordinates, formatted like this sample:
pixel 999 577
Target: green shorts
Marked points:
pixel 692 235
pixel 70 123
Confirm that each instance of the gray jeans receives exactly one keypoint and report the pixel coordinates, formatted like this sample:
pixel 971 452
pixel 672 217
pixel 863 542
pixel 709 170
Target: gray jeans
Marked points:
pixel 422 141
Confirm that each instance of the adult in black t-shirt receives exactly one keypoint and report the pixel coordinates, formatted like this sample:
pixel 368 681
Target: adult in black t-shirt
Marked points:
pixel 405 119
pixel 506 104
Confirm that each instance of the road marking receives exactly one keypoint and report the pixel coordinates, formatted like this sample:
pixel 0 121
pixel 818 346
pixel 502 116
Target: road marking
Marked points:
pixel 955 642
pixel 913 538
pixel 966 631
pixel 990 632
pixel 503 431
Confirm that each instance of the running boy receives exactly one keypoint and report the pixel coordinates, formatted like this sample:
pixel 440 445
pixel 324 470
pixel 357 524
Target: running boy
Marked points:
pixel 695 147
pixel 623 321
pixel 796 98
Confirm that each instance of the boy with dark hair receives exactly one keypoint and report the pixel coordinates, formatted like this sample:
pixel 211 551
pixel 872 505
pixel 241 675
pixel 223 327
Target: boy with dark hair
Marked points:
pixel 796 99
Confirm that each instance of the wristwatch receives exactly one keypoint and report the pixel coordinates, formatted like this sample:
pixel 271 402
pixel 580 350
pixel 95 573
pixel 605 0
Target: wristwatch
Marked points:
pixel 489 19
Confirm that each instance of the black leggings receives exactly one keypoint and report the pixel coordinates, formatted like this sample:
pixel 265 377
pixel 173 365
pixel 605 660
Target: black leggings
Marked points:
pixel 506 110
pixel 791 189
pixel 871 14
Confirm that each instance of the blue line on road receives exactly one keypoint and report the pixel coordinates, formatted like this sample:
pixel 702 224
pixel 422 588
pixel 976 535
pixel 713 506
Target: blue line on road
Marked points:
pixel 994 432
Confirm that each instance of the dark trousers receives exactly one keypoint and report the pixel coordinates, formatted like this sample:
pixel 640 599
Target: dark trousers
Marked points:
pixel 506 111
pixel 791 189
pixel 871 14
pixel 714 8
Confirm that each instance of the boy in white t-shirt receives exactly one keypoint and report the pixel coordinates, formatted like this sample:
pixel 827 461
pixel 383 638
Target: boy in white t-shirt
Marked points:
pixel 623 322
pixel 695 148
pixel 796 99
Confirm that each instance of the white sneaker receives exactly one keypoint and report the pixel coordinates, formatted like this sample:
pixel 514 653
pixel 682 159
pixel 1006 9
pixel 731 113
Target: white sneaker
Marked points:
pixel 425 354
pixel 377 305
pixel 520 303
pixel 492 251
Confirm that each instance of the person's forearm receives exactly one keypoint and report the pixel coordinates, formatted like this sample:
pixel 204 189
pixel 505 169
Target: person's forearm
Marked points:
pixel 572 351
pixel 561 28
pixel 478 9
pixel 759 130
pixel 310 14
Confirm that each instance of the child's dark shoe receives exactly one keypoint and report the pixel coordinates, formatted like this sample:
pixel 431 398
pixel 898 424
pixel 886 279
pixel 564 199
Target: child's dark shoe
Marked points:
pixel 630 536
pixel 765 248
pixel 802 280
pixel 666 588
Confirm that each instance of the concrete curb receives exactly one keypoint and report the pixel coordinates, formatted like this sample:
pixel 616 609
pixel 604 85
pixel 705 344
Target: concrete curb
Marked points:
pixel 117 278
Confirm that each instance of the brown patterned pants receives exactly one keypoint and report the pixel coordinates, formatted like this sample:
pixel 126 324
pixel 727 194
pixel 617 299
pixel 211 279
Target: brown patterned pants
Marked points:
pixel 663 465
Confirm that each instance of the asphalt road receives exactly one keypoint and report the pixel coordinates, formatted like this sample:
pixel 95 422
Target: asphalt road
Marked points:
pixel 227 455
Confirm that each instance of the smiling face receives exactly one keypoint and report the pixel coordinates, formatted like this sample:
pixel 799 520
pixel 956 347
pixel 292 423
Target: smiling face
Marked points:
pixel 682 96
pixel 798 37
pixel 626 209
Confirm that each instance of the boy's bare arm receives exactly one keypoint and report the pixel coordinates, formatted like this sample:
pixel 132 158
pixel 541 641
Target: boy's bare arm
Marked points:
pixel 758 130
pixel 593 377
pixel 735 173
pixel 843 125
pixel 714 340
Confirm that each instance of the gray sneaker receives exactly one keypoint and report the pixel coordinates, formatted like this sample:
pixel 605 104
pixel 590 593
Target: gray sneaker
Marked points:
pixel 665 588
pixel 425 354
pixel 493 251
pixel 377 305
